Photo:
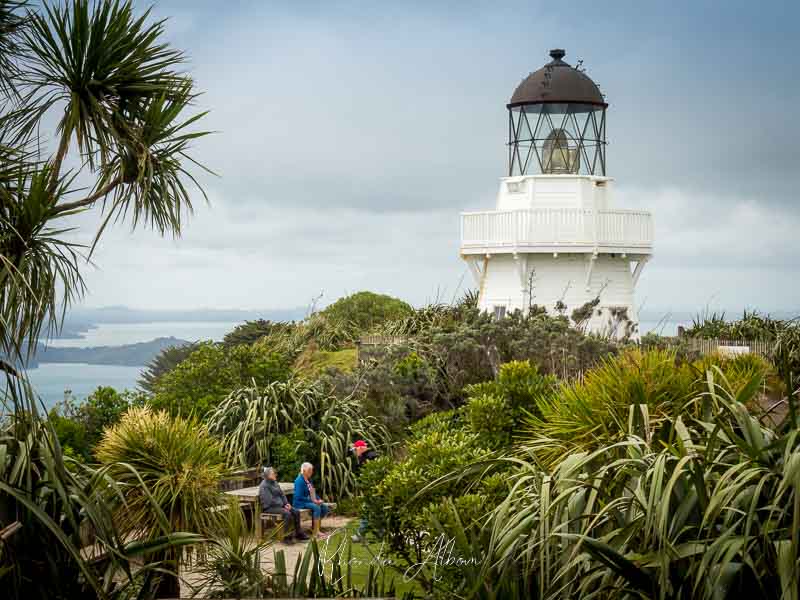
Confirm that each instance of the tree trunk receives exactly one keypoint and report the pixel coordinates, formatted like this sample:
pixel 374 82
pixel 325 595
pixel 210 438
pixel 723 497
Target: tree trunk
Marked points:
pixel 169 585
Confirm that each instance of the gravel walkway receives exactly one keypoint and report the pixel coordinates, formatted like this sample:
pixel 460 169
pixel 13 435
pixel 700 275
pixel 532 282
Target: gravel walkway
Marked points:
pixel 291 553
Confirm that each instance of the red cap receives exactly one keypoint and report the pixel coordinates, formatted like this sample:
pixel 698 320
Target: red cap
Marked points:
pixel 359 444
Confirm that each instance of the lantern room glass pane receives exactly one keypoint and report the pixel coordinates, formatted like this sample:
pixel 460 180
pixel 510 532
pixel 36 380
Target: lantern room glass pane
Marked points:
pixel 557 138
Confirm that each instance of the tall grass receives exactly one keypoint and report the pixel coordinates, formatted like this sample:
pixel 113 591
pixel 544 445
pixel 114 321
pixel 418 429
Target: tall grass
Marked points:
pixel 629 390
pixel 701 503
pixel 328 574
pixel 68 543
pixel 230 566
pixel 250 420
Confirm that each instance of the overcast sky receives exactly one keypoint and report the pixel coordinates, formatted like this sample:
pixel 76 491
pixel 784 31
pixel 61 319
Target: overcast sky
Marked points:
pixel 351 135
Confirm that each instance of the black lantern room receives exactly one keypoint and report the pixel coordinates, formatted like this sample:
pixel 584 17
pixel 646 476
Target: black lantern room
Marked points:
pixel 557 122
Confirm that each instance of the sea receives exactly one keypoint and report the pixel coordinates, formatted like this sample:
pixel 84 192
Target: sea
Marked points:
pixel 52 381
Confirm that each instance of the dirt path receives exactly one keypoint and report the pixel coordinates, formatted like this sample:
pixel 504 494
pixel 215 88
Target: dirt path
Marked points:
pixel 291 553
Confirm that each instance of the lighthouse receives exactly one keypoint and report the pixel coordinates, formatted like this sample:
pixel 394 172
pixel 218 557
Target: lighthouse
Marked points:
pixel 555 239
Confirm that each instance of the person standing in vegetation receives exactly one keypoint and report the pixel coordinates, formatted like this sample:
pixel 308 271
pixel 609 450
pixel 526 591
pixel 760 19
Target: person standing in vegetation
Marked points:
pixel 274 501
pixel 363 454
pixel 305 496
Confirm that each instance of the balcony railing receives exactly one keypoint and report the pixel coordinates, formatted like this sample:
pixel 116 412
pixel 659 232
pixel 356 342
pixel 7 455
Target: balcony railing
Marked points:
pixel 550 229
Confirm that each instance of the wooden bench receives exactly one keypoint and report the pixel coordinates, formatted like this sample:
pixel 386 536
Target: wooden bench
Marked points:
pixel 240 479
pixel 275 519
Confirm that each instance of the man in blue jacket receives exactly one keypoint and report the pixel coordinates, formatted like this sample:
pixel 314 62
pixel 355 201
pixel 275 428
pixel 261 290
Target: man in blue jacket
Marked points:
pixel 305 496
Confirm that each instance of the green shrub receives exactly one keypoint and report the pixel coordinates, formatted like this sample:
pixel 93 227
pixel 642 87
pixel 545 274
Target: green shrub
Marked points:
pixel 444 520
pixel 491 417
pixel 667 518
pixel 397 500
pixel 519 383
pixel 411 365
pixel 370 476
pixel 472 351
pixel 262 425
pixel 71 435
pixel 397 388
pixel 80 426
pixel 471 512
pixel 438 422
pixel 495 486
pixel 408 498
pixel 365 310
pixel 203 379
pixel 440 359
pixel 288 451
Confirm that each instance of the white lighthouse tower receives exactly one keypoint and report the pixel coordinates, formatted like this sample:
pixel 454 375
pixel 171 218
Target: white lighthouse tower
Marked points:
pixel 555 238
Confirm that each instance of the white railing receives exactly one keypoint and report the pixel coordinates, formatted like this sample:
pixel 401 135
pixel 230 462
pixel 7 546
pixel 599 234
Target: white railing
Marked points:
pixel 550 227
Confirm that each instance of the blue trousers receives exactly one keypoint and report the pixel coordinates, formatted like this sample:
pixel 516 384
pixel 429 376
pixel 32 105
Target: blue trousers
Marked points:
pixel 317 510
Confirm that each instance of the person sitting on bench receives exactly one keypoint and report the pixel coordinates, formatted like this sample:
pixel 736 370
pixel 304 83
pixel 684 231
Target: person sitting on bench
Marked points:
pixel 305 496
pixel 274 501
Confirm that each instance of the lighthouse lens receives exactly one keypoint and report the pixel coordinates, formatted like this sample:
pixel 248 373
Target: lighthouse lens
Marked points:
pixel 560 154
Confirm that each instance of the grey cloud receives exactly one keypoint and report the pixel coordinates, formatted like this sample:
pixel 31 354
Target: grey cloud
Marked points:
pixel 350 137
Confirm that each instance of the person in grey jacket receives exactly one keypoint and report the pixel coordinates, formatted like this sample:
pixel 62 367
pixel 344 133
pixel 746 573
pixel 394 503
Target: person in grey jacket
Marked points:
pixel 274 501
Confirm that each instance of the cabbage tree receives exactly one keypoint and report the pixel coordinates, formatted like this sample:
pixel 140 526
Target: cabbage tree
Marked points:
pixel 95 115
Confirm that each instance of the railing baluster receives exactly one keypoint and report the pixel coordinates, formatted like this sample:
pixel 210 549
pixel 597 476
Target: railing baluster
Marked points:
pixel 556 225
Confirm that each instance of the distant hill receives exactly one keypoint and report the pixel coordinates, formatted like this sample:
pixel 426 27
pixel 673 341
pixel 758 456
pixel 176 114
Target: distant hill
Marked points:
pixel 79 319
pixel 128 355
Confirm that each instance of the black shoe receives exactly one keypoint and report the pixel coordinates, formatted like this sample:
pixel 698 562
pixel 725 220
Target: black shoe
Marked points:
pixel 300 536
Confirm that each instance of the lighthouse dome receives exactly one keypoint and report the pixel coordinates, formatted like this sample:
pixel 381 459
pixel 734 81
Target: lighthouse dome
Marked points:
pixel 557 82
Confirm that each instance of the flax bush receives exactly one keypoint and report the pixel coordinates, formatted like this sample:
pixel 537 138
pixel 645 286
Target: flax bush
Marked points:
pixel 583 416
pixel 253 424
pixel 702 504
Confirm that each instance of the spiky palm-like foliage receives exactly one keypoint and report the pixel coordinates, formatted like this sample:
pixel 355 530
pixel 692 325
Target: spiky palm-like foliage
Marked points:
pixel 784 336
pixel 231 564
pixel 786 354
pixel 703 503
pixel 170 462
pixel 585 415
pixel 751 326
pixel 324 332
pixel 231 569
pixel 121 102
pixel 327 572
pixel 438 315
pixel 39 276
pixel 178 462
pixel 250 332
pixel 67 545
pixel 250 420
pixel 12 23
